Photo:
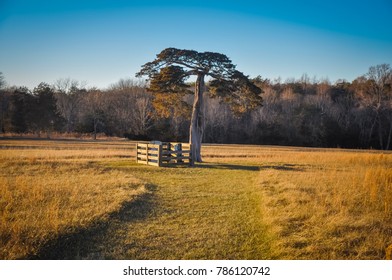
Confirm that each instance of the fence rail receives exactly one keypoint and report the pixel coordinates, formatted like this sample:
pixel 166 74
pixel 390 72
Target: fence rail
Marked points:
pixel 164 154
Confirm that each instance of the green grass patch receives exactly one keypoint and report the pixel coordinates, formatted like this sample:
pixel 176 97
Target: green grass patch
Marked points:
pixel 211 211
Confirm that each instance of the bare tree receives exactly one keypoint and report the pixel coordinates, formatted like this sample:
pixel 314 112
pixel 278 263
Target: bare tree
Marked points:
pixel 95 108
pixel 3 103
pixel 219 119
pixel 374 92
pixel 380 94
pixel 69 96
pixel 143 114
pixel 131 107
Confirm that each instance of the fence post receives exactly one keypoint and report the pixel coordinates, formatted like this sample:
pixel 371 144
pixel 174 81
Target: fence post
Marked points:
pixel 147 154
pixel 191 162
pixel 178 149
pixel 168 155
pixel 160 155
pixel 137 152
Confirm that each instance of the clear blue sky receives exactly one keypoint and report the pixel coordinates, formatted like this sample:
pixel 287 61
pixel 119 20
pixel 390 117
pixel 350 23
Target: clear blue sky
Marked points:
pixel 100 41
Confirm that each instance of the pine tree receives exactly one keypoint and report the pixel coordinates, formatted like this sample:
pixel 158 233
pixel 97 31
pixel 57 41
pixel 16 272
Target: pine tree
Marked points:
pixel 168 73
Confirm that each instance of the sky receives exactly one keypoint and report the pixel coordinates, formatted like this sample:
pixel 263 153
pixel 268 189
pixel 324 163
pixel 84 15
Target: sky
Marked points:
pixel 99 42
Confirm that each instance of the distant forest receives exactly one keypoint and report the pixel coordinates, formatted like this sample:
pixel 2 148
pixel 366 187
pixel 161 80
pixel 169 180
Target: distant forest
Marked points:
pixel 301 112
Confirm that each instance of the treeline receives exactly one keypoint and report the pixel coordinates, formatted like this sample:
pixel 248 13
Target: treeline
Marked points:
pixel 302 112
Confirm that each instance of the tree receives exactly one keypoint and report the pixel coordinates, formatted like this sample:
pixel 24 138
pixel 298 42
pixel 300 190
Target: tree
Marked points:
pixel 69 94
pixel 95 109
pixel 21 105
pixel 3 103
pixel 45 113
pixel 172 67
pixel 2 80
pixel 374 91
pixel 380 93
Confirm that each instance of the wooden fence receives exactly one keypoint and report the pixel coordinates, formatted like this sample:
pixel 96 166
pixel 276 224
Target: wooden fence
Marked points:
pixel 164 154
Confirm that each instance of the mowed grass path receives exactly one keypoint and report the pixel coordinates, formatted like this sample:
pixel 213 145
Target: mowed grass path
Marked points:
pixel 211 211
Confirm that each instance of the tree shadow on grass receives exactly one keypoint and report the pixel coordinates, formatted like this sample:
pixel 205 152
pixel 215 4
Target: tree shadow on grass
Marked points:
pixel 285 167
pixel 216 166
pixel 227 166
pixel 278 166
pixel 88 243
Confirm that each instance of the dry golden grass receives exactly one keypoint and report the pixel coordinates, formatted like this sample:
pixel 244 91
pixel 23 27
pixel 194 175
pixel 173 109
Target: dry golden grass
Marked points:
pixel 328 204
pixel 245 202
pixel 320 203
pixel 46 193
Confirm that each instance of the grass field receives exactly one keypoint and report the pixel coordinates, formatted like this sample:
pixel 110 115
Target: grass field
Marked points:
pixel 90 200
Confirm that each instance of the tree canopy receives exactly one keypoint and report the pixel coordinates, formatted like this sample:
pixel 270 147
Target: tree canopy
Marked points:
pixel 172 67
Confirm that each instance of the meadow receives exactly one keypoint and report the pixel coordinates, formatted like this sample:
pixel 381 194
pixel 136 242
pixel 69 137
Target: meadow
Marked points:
pixel 79 199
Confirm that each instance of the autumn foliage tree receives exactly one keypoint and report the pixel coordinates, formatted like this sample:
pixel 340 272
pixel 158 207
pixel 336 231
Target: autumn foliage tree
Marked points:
pixel 172 67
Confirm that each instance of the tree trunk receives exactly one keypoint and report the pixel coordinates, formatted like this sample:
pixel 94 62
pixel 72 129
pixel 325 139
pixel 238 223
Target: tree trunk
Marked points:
pixel 197 121
pixel 371 131
pixel 380 133
pixel 95 129
pixel 389 136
